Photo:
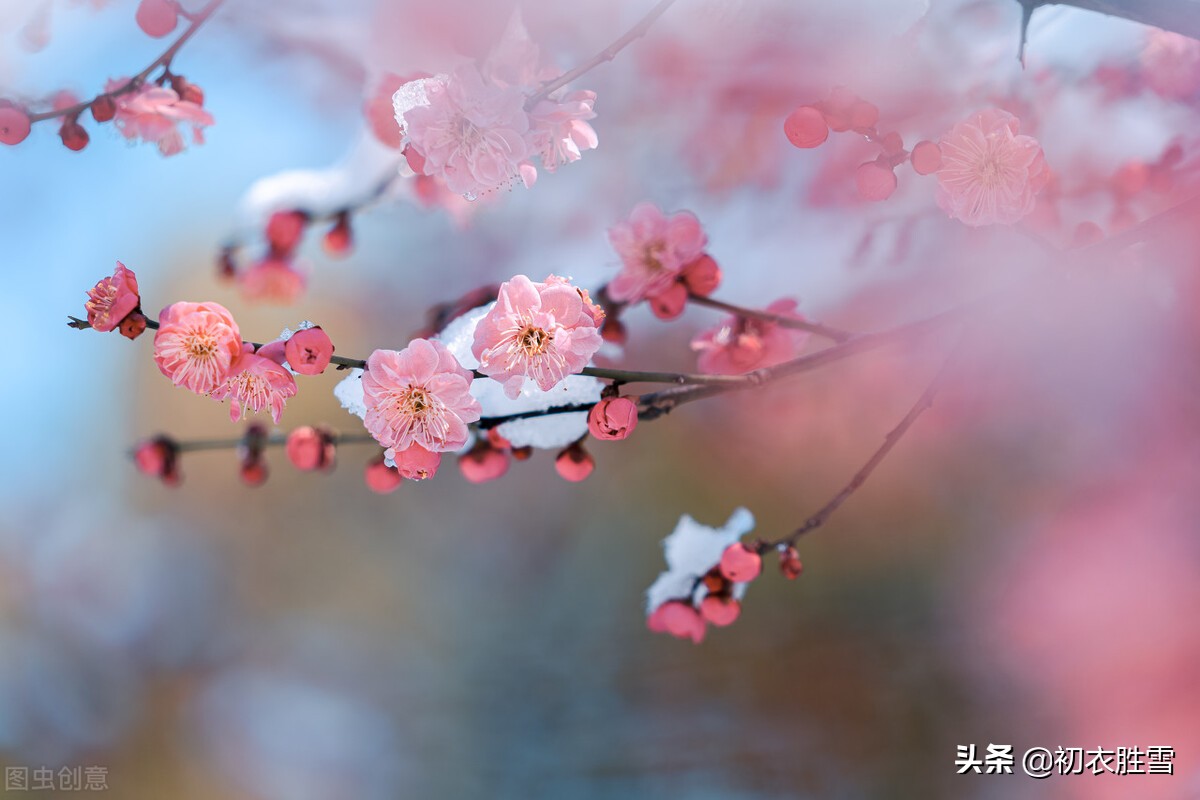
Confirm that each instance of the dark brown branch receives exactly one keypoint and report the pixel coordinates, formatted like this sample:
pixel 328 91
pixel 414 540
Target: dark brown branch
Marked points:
pixel 607 54
pixel 163 61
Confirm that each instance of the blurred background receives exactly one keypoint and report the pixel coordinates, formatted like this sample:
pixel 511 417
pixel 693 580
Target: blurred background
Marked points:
pixel 1022 570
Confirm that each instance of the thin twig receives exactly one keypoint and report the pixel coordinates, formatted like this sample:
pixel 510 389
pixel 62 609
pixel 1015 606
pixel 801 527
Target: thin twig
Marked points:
pixel 890 441
pixel 164 61
pixel 782 321
pixel 607 54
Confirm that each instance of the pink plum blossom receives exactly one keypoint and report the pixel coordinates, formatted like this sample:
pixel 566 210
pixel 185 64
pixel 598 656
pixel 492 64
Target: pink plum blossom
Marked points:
pixel 112 299
pixel 739 345
pixel 1171 64
pixel 990 172
pixel 256 383
pixel 272 280
pixel 654 249
pixel 196 344
pixel 154 113
pixel 560 129
pixel 419 395
pixel 544 331
pixel 470 134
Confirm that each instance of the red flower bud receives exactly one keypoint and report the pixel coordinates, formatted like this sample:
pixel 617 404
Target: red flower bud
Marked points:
pixel 789 563
pixel 339 240
pixel 14 124
pixel 284 230
pixel 133 326
pixel 104 108
pixel 613 418
pixel 806 127
pixel 482 463
pixel 381 478
pixel 702 276
pixel 157 18
pixel 575 463
pixel 720 610
pixel 308 351
pixel 740 564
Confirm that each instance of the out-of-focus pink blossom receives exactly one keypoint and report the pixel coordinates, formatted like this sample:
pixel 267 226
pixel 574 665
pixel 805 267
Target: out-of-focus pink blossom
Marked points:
pixel 560 132
pixel 419 395
pixel 1171 64
pixel 196 344
pixel 990 172
pixel 112 299
pixel 272 280
pixel 740 345
pixel 654 249
pixel 470 134
pixel 154 113
pixel 679 619
pixel 256 383
pixel 613 418
pixel 544 331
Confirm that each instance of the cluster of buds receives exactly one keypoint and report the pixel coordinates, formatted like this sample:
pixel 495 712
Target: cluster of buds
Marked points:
pixel 809 126
pixel 715 597
pixel 274 277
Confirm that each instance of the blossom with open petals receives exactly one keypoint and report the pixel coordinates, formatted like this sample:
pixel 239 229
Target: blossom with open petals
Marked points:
pixel 154 113
pixel 654 249
pixel 990 172
pixel 196 344
pixel 560 132
pixel 112 299
pixel 418 395
pixel 739 345
pixel 470 133
pixel 256 383
pixel 544 331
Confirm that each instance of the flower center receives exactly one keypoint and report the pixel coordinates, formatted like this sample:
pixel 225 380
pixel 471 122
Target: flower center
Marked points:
pixel 415 401
pixel 534 341
pixel 201 346
pixel 652 256
pixel 468 133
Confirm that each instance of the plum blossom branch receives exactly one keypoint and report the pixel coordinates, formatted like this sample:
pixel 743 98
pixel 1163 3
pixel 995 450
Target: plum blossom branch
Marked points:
pixel 605 55
pixel 340 361
pixel 604 373
pixel 272 440
pixel 890 441
pixel 164 61
pixel 663 402
pixel 827 331
pixel 1180 16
